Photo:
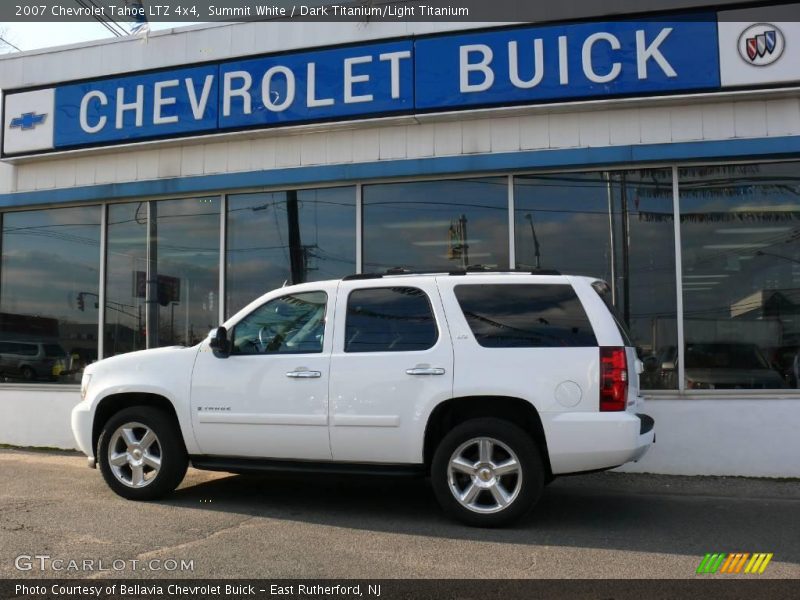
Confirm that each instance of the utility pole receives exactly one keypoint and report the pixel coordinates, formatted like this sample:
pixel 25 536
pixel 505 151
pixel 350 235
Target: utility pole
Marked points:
pixel 297 257
pixel 536 253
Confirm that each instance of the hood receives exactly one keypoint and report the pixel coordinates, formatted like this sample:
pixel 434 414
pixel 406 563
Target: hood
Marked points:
pixel 136 360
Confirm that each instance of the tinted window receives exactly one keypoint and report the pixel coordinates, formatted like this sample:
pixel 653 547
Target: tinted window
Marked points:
pixel 293 324
pixel 397 319
pixel 525 316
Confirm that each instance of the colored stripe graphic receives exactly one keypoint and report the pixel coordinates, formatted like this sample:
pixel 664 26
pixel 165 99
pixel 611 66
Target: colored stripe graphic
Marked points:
pixel 734 562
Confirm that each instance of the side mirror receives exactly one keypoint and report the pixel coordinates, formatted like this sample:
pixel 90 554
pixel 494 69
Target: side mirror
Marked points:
pixel 218 341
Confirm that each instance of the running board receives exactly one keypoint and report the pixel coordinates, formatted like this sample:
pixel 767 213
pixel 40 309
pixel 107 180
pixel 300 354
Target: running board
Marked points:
pixel 262 465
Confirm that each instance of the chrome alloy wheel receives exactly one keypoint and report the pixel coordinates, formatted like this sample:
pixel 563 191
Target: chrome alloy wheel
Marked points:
pixel 484 475
pixel 134 455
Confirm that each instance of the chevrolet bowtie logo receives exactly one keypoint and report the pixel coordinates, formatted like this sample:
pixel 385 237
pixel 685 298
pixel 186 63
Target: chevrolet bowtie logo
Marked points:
pixel 28 120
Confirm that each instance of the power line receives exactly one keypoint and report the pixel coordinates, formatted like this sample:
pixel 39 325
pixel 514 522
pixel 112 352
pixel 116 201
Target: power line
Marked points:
pixel 7 43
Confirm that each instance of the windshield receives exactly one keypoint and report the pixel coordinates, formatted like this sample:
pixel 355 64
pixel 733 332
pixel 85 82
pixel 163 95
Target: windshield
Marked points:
pixel 725 356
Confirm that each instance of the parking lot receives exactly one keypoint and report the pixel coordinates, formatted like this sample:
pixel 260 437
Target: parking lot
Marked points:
pixel 603 525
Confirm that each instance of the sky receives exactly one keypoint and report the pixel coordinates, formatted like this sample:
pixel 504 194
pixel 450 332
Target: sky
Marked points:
pixel 30 36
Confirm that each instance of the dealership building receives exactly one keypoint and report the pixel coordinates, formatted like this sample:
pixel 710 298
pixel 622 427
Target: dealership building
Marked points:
pixel 149 189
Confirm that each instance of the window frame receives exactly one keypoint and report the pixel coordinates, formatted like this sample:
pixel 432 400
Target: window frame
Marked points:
pixel 436 328
pixel 232 334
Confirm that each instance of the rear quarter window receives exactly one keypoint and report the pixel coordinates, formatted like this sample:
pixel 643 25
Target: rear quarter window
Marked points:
pixel 525 315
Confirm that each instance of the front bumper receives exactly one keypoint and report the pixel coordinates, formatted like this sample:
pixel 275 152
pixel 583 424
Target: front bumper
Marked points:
pixel 578 441
pixel 82 417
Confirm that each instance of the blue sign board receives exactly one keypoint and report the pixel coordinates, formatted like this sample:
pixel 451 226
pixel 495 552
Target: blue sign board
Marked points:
pixel 444 72
pixel 586 60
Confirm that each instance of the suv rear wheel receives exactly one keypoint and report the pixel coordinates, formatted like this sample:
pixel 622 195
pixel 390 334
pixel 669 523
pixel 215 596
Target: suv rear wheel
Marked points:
pixel 141 454
pixel 487 472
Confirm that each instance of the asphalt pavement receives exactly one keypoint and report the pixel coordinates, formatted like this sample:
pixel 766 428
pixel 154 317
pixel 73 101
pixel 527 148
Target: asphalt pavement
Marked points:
pixel 609 525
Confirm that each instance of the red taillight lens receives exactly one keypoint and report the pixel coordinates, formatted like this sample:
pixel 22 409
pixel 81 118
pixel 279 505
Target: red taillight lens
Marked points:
pixel 613 379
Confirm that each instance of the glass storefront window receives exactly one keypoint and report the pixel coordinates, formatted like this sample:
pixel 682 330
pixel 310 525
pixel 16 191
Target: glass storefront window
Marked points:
pixel 741 276
pixel 291 237
pixel 126 268
pixel 186 234
pixel 49 279
pixel 616 226
pixel 436 225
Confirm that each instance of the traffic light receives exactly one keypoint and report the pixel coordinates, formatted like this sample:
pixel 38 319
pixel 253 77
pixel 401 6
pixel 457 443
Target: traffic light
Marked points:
pixel 81 302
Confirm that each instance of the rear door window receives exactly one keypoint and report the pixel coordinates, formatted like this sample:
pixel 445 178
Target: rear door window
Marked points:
pixel 525 315
pixel 602 289
pixel 396 319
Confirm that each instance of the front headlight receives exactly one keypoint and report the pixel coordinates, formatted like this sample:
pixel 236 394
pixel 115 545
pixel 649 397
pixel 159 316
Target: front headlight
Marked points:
pixel 85 380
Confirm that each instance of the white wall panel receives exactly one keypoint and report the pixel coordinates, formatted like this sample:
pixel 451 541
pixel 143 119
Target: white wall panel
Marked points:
pixel 505 135
pixel 192 160
pixel 476 136
pixel 105 169
pixel 392 143
pixel 146 164
pixel 240 156
pixel 624 127
pixel 366 145
pixel 339 146
pixel 125 167
pixel 447 138
pixel 84 172
pixel 783 116
pixel 534 132
pixel 215 158
pixel 686 123
pixel 565 130
pixel 750 119
pixel 287 152
pixel 718 121
pixel 263 153
pixel 313 149
pixel 169 162
pixel 655 125
pixel 593 129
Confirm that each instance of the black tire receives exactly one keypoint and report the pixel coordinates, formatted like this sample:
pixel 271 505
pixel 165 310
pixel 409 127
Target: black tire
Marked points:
pixel 27 373
pixel 171 453
pixel 530 472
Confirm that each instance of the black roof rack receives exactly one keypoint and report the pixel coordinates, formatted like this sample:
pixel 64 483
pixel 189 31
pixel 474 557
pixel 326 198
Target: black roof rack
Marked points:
pixel 470 269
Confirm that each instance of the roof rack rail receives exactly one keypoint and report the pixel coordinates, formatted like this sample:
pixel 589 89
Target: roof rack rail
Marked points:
pixel 455 272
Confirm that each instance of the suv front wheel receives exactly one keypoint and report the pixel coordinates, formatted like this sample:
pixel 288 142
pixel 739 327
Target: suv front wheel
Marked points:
pixel 487 472
pixel 141 454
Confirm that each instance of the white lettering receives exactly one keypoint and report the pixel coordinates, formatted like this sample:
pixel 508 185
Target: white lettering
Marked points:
pixel 588 68
pixel 242 92
pixel 467 67
pixel 513 65
pixel 137 106
pixel 645 53
pixel 101 122
pixel 350 79
pixel 159 101
pixel 199 108
pixel 311 89
pixel 266 90
pixel 394 68
pixel 563 62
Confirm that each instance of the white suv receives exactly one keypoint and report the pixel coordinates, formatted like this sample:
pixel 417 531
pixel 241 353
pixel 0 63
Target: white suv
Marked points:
pixel 491 383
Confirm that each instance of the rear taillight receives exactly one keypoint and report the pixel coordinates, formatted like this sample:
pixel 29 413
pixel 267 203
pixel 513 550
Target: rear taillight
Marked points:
pixel 613 379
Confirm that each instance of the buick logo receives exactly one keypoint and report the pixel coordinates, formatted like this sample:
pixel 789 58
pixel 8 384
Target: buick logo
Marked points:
pixel 761 44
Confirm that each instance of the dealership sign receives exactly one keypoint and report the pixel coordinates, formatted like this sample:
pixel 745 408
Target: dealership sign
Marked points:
pixel 521 65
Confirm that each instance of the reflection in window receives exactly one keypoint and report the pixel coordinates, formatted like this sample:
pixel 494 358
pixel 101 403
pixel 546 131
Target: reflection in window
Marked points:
pixel 186 269
pixel 397 319
pixel 293 324
pixel 741 276
pixel 126 268
pixel 616 226
pixel 525 316
pixel 292 237
pixel 49 293
pixel 436 225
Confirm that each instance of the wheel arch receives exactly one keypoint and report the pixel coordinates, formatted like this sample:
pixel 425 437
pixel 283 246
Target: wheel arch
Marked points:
pixel 113 403
pixel 454 411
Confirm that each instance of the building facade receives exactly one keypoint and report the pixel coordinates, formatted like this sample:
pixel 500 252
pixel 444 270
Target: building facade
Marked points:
pixel 150 190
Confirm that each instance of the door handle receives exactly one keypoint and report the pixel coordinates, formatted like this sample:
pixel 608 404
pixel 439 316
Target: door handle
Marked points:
pixel 425 371
pixel 304 374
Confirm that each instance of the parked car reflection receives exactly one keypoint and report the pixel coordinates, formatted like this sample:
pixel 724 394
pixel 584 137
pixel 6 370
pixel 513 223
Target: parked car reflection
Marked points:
pixel 32 361
pixel 721 366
